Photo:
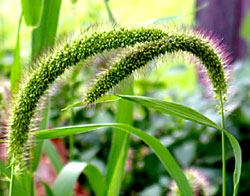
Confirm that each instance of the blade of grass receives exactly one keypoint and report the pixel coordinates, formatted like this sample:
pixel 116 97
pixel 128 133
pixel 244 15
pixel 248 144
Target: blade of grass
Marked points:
pixel 16 68
pixel 68 176
pixel 32 11
pixel 42 37
pixel 160 150
pixel 194 116
pixel 120 145
pixel 53 156
pixel 104 99
pixel 238 161
pixel 96 179
pixel 172 109
pixel 47 188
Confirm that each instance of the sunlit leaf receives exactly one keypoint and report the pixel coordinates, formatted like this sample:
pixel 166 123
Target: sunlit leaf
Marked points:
pixel 194 116
pixel 32 10
pixel 104 99
pixel 120 144
pixel 68 176
pixel 172 109
pixel 16 68
pixel 44 35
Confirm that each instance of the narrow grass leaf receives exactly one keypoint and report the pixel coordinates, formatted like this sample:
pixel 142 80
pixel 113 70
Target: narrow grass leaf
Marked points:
pixel 16 68
pixel 48 190
pixel 44 35
pixel 172 109
pixel 160 150
pixel 68 176
pixel 194 116
pixel 238 161
pixel 104 99
pixel 63 186
pixel 32 11
pixel 96 179
pixel 53 155
pixel 120 144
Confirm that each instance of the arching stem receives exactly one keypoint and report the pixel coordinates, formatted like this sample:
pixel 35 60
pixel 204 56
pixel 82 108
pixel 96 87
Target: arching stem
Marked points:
pixel 223 148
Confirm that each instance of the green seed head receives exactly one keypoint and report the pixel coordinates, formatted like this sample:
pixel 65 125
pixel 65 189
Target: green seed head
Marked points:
pixel 144 53
pixel 153 42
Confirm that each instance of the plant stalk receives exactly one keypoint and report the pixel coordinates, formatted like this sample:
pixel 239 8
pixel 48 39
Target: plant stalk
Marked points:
pixel 223 148
pixel 11 180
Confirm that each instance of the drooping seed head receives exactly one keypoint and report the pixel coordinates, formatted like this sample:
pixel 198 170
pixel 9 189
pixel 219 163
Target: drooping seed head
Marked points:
pixel 50 67
pixel 144 53
pixel 154 43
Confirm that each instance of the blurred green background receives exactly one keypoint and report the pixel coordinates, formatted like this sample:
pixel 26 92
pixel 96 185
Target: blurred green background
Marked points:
pixel 174 80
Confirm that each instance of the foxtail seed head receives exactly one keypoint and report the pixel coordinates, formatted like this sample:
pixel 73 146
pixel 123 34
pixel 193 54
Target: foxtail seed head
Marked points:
pixel 157 41
pixel 142 54
pixel 51 67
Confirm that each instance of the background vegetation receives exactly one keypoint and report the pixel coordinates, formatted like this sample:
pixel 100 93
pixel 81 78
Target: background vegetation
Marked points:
pixel 192 145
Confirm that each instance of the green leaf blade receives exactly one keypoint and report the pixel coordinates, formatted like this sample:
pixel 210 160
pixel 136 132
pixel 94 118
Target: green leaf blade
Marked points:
pixel 16 68
pixel 172 109
pixel 120 144
pixel 63 186
pixel 238 161
pixel 44 35
pixel 53 155
pixel 32 11
pixel 68 176
pixel 96 179
pixel 160 150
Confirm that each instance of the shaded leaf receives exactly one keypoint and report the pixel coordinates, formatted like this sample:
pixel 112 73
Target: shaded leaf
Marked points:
pixel 53 155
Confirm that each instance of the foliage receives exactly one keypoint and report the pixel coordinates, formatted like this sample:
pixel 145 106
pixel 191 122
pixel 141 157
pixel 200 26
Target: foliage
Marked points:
pixel 190 144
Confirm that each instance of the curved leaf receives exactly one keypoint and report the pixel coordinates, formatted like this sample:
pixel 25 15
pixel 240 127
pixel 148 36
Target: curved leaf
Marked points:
pixel 163 154
pixel 172 109
pixel 32 11
pixel 238 161
pixel 68 176
pixel 194 116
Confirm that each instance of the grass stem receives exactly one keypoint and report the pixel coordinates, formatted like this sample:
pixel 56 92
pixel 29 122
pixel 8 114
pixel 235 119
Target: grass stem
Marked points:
pixel 223 148
pixel 11 180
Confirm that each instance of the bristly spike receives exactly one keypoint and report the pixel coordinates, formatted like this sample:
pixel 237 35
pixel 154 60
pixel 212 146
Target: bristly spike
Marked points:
pixel 154 42
pixel 145 53
pixel 50 67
